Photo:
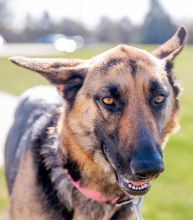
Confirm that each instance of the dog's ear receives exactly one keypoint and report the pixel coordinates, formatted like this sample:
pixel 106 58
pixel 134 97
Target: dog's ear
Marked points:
pixel 66 74
pixel 170 49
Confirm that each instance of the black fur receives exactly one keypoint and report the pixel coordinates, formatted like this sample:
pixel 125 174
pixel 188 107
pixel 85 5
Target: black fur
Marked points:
pixel 133 66
pixel 114 90
pixel 182 36
pixel 171 78
pixel 164 54
pixel 47 190
pixel 71 87
pixel 73 170
pixel 111 63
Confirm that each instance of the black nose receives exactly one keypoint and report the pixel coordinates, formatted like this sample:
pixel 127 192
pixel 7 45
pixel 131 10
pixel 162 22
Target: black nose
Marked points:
pixel 147 164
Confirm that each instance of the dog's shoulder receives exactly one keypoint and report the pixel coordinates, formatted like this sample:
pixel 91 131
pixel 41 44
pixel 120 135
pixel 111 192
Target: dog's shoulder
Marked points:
pixel 35 108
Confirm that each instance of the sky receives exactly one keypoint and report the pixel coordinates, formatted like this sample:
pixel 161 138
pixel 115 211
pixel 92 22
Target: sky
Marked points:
pixel 89 11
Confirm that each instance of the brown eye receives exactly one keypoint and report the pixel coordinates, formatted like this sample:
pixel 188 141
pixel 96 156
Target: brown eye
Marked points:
pixel 108 101
pixel 159 99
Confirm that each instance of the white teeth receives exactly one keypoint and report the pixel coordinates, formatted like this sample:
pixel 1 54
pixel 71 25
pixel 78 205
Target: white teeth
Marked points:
pixel 131 185
pixel 140 187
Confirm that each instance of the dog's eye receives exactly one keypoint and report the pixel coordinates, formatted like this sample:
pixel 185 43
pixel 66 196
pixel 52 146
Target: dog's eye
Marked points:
pixel 108 101
pixel 159 99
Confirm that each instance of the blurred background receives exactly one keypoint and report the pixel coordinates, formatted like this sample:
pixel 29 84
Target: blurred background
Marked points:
pixel 82 29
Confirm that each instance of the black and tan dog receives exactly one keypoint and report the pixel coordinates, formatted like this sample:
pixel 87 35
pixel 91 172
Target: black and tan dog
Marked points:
pixel 77 155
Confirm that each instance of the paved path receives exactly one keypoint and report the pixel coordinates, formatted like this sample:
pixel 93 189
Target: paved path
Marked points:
pixel 7 108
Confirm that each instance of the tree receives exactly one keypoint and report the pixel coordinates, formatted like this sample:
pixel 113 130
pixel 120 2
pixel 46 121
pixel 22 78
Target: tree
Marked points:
pixel 106 31
pixel 125 30
pixel 114 31
pixel 34 29
pixel 157 26
pixel 45 22
pixel 70 27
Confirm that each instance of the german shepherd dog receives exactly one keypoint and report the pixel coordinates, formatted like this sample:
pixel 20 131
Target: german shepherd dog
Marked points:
pixel 77 155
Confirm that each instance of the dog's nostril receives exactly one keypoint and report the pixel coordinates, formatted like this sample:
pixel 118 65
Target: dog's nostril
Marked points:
pixel 145 169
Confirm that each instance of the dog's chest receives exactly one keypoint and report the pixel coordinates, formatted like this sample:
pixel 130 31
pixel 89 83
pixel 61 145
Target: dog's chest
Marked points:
pixel 95 213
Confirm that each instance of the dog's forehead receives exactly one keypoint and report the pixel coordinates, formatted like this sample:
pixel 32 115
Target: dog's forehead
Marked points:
pixel 124 62
pixel 132 57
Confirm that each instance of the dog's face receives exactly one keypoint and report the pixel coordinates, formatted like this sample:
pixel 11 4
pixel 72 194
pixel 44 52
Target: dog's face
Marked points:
pixel 121 107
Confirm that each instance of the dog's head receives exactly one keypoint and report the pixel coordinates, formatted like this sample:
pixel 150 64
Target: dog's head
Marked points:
pixel 121 107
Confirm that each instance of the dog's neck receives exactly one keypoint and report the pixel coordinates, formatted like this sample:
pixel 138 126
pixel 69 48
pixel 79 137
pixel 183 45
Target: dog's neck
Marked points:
pixel 61 168
pixel 68 172
pixel 54 182
pixel 96 196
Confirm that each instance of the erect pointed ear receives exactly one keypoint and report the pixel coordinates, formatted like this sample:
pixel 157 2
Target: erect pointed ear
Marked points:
pixel 67 74
pixel 56 70
pixel 168 51
pixel 171 48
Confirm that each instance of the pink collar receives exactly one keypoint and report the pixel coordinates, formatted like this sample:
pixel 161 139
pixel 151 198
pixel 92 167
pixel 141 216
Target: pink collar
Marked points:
pixel 97 196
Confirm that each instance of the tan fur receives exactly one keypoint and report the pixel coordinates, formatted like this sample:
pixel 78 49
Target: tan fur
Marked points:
pixel 24 201
pixel 93 170
pixel 82 117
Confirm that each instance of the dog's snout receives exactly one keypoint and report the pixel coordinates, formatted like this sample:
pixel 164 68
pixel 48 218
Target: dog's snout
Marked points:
pixel 147 164
pixel 147 169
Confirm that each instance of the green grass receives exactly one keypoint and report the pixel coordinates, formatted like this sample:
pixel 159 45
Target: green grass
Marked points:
pixel 171 196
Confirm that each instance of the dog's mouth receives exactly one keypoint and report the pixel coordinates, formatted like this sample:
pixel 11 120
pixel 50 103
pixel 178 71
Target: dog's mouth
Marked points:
pixel 132 187
pixel 135 188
